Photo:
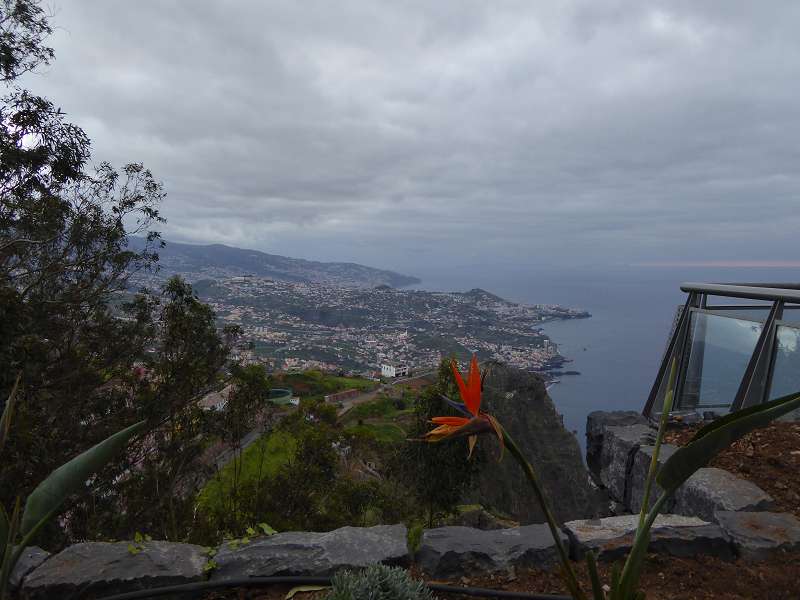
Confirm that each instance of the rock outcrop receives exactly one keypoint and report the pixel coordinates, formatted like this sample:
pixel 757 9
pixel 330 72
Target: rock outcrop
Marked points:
pixel 317 554
pixel 520 402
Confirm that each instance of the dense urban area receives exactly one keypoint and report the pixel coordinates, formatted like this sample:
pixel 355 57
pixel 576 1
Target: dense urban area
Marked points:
pixel 304 325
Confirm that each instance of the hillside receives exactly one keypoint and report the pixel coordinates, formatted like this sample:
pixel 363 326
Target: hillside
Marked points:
pixel 214 261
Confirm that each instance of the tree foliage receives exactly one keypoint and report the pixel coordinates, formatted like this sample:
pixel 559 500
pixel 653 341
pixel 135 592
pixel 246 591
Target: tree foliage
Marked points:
pixel 437 475
pixel 72 333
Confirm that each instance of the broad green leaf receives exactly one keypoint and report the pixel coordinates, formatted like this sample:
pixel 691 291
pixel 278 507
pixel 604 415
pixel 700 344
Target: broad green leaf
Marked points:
pixel 717 436
pixel 304 589
pixel 71 476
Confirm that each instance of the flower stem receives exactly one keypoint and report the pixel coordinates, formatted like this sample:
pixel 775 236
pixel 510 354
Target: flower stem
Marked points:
pixel 662 426
pixel 569 574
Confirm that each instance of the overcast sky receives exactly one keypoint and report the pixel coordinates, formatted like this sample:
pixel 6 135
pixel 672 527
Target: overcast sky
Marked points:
pixel 408 133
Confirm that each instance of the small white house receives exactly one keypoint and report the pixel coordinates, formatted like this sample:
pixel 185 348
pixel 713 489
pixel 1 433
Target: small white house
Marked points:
pixel 390 370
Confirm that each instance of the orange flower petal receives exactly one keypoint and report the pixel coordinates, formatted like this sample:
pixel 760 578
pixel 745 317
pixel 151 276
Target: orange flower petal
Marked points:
pixel 462 387
pixel 473 397
pixel 457 421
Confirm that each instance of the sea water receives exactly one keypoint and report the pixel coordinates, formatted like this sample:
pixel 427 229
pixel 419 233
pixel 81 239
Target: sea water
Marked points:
pixel 618 350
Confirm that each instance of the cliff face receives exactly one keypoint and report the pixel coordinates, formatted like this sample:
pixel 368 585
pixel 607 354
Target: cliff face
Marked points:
pixel 520 402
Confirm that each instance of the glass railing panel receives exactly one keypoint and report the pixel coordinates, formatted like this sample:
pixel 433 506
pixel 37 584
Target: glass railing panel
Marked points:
pixel 720 348
pixel 749 313
pixel 786 370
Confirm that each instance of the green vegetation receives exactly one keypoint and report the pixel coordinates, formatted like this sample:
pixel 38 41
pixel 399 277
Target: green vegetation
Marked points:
pixel 314 385
pixel 389 433
pixel 260 461
pixel 378 582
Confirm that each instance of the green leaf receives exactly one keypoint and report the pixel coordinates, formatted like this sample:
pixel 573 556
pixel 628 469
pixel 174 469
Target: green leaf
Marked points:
pixel 8 410
pixel 138 538
pixel 250 531
pixel 597 588
pixel 267 529
pixel 5 528
pixel 717 436
pixel 71 476
pixel 302 589
pixel 210 566
pixel 615 591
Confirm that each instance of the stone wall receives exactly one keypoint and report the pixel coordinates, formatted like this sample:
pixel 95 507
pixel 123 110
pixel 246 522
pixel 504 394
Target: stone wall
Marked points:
pixel 619 451
pixel 98 569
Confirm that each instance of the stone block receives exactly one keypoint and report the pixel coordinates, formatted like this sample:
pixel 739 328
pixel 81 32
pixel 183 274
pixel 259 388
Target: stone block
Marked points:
pixel 756 535
pixel 31 557
pixel 620 445
pixel 711 490
pixel 463 551
pixel 102 568
pixel 638 477
pixel 596 423
pixel 612 538
pixel 313 554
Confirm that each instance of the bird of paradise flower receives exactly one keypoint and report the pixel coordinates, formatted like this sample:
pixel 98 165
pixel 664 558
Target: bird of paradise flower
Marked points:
pixel 475 422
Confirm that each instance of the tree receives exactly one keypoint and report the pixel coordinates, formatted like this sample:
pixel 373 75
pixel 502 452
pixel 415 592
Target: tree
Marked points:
pixel 438 475
pixel 64 259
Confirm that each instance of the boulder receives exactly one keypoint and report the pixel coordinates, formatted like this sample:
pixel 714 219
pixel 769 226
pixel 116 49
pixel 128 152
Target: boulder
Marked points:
pixel 461 551
pixel 313 554
pixel 638 477
pixel 755 535
pixel 711 490
pixel 620 445
pixel 31 557
pixel 612 537
pixel 102 568
pixel 596 424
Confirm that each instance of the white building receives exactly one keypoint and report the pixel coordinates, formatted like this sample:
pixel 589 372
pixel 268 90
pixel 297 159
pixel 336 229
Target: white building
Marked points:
pixel 390 370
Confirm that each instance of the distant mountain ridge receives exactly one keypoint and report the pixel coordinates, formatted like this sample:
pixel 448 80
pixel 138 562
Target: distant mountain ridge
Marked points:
pixel 196 262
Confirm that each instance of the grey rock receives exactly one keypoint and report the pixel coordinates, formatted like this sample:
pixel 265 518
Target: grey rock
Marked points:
pixel 616 457
pixel 711 490
pixel 596 424
pixel 102 568
pixel 459 551
pixel 31 557
pixel 756 535
pixel 637 478
pixel 316 554
pixel 612 537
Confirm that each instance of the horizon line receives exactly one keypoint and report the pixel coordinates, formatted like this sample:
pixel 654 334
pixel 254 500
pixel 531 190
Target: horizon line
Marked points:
pixel 723 263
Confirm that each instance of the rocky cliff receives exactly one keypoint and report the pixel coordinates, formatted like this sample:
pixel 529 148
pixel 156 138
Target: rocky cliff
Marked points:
pixel 520 402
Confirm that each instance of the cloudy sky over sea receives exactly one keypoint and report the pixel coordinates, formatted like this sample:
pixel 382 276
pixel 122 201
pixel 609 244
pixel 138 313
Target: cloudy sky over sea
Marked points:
pixel 403 133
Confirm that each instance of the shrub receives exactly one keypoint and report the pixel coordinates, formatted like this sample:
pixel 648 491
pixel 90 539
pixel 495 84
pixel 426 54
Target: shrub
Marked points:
pixel 378 582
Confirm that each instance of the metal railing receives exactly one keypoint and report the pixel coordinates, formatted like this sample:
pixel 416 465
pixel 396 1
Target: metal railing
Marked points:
pixel 729 341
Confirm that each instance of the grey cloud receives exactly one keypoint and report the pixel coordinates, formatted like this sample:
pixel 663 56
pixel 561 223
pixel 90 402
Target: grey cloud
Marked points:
pixel 400 133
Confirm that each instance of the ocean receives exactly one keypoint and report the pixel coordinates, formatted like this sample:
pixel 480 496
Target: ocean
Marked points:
pixel 617 351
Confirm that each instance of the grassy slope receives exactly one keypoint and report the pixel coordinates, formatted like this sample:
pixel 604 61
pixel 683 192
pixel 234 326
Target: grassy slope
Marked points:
pixel 259 461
